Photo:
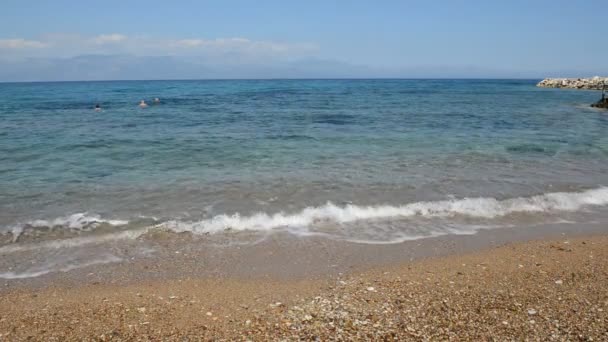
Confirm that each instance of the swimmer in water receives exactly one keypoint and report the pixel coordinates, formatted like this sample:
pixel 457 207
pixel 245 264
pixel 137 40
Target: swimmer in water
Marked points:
pixel 97 108
pixel 156 100
pixel 143 104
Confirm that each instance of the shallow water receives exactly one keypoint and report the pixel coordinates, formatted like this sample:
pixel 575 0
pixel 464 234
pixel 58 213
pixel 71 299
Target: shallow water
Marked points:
pixel 371 161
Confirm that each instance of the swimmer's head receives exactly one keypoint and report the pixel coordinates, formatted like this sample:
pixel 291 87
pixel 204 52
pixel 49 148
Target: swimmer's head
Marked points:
pixel 156 99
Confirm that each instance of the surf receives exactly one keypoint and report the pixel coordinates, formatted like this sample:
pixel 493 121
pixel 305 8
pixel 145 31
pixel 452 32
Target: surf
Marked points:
pixel 486 208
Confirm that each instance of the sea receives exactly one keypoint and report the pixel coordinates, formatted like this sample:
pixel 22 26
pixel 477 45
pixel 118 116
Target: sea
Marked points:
pixel 378 161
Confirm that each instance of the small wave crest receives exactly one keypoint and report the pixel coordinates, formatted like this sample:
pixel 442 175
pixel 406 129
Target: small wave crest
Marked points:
pixel 75 221
pixel 322 220
pixel 78 221
pixel 486 208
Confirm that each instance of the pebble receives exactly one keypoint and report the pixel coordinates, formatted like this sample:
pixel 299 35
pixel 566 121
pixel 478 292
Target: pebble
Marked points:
pixel 468 309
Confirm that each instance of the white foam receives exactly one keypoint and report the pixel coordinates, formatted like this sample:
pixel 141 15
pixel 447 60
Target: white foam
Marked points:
pixel 39 271
pixel 16 231
pixel 74 242
pixel 75 221
pixel 310 221
pixel 486 208
pixel 78 221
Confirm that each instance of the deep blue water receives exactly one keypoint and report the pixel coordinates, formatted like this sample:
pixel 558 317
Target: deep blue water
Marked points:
pixel 268 146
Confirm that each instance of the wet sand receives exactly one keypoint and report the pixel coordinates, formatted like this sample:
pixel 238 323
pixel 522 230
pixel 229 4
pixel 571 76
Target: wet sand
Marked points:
pixel 280 256
pixel 550 289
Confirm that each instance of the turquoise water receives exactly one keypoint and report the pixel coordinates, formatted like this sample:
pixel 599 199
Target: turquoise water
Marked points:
pixel 362 160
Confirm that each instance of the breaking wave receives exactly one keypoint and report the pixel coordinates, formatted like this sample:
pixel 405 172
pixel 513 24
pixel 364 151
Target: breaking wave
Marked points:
pixel 486 208
pixel 75 221
pixel 78 221
pixel 313 219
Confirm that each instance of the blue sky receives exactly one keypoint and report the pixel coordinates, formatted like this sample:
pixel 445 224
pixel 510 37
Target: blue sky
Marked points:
pixel 131 39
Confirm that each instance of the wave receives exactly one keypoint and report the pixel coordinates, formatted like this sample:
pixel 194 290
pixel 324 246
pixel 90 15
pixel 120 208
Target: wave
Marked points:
pixel 75 221
pixel 313 220
pixel 58 267
pixel 78 221
pixel 74 241
pixel 486 208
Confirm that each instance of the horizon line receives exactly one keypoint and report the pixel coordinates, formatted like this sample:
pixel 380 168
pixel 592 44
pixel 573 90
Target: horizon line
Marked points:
pixel 288 79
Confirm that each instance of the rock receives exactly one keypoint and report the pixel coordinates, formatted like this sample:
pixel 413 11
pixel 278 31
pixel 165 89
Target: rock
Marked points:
pixel 276 305
pixel 371 289
pixel 603 103
pixel 531 312
pixel 559 282
pixel 596 83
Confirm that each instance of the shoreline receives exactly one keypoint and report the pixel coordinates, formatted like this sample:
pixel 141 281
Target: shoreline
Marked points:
pixel 279 256
pixel 553 288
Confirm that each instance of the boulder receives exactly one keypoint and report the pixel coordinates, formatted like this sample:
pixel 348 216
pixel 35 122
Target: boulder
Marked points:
pixel 594 83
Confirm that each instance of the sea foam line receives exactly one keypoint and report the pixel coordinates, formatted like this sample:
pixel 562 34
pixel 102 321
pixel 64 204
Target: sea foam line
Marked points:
pixel 45 270
pixel 78 221
pixel 473 207
pixel 74 242
pixel 75 221
pixel 486 208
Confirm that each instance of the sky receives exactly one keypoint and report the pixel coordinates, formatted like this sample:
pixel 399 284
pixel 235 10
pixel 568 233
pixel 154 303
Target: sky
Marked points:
pixel 132 39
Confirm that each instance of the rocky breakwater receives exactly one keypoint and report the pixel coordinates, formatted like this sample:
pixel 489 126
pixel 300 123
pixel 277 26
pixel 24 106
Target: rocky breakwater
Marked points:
pixel 596 83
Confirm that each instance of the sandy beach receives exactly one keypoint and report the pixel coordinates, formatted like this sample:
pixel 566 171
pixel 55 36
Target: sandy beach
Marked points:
pixel 552 289
pixel 303 171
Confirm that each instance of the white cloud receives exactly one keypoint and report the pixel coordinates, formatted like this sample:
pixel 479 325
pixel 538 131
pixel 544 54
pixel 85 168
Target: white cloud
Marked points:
pixel 188 43
pixel 109 38
pixel 203 51
pixel 237 43
pixel 237 49
pixel 211 43
pixel 20 43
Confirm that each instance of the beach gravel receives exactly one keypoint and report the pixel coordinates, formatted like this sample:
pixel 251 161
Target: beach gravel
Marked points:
pixel 535 291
